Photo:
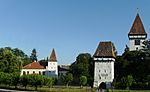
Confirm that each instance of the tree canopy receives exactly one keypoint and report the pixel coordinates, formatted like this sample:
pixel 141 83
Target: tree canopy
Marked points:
pixel 135 64
pixel 83 66
pixel 33 56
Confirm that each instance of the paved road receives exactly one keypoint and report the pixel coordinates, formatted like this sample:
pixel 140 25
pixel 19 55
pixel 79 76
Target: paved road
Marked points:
pixel 6 90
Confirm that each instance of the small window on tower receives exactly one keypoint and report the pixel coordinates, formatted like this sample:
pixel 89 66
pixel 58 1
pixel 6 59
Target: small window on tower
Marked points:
pixel 137 42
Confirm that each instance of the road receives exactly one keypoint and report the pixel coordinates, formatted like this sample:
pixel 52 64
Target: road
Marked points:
pixel 7 90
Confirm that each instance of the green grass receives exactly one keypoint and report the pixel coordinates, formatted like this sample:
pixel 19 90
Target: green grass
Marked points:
pixel 64 89
pixel 69 89
pixel 129 91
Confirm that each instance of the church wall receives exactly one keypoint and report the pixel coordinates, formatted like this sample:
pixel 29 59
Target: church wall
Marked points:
pixel 31 71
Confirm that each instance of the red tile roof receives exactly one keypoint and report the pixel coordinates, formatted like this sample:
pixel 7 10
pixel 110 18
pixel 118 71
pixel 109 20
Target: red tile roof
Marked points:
pixel 105 49
pixel 34 65
pixel 137 27
pixel 53 56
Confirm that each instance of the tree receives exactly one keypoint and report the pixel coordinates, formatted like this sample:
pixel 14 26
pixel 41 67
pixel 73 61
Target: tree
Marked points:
pixel 83 66
pixel 9 62
pixel 67 78
pixel 36 80
pixel 83 81
pixel 146 44
pixel 126 49
pixel 24 80
pixel 129 81
pixel 33 56
pixel 15 79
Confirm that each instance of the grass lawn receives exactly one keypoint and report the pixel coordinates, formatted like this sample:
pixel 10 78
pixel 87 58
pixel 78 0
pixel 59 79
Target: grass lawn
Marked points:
pixel 69 89
pixel 64 89
pixel 129 91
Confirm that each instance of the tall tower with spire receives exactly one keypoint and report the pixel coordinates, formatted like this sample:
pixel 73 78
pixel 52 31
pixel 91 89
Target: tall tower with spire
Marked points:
pixel 52 65
pixel 137 34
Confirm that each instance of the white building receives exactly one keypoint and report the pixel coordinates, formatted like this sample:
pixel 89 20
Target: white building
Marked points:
pixel 137 34
pixel 49 68
pixel 104 58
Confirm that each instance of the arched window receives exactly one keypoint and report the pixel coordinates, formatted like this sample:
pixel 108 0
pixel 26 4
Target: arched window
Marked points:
pixel 39 72
pixel 24 73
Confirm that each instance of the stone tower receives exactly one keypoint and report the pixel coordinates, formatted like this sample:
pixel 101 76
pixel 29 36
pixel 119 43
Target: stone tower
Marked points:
pixel 137 34
pixel 104 58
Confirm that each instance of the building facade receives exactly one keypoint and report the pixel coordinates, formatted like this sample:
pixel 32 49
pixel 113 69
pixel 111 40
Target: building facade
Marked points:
pixel 49 68
pixel 137 35
pixel 104 59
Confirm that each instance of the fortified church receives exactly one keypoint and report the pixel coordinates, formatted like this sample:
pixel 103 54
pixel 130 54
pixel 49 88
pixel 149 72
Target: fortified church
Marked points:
pixel 104 56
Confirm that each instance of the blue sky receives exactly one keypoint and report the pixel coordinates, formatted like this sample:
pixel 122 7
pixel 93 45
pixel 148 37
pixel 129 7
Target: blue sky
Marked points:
pixel 69 26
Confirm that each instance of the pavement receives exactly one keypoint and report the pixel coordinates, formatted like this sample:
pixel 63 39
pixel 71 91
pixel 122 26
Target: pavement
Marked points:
pixel 7 90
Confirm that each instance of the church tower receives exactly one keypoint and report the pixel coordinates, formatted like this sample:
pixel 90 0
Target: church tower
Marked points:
pixel 137 34
pixel 104 58
pixel 52 65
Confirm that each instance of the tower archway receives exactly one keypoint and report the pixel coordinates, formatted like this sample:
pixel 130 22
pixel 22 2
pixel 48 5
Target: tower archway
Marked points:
pixel 102 85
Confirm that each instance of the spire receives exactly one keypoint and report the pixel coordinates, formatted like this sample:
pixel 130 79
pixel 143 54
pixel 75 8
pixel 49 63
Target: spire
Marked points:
pixel 53 56
pixel 137 27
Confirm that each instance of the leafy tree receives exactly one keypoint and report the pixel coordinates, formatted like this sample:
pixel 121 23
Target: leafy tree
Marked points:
pixel 2 76
pixel 83 81
pixel 36 80
pixel 33 56
pixel 24 80
pixel 129 81
pixel 7 79
pixel 9 62
pixel 83 66
pixel 127 48
pixel 67 78
pixel 15 79
pixel 146 45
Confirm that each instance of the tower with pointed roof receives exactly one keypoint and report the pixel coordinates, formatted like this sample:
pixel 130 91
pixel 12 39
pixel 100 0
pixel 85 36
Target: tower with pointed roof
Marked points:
pixel 104 58
pixel 137 34
pixel 52 65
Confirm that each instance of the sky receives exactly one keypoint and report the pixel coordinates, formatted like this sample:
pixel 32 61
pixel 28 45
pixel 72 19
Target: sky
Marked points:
pixel 70 27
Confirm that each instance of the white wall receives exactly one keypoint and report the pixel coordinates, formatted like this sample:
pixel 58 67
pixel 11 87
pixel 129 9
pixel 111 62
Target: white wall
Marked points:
pixel 33 70
pixel 103 72
pixel 133 46
pixel 52 66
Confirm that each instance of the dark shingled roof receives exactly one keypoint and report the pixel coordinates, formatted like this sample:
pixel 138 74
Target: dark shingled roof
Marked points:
pixel 104 49
pixel 53 56
pixel 137 27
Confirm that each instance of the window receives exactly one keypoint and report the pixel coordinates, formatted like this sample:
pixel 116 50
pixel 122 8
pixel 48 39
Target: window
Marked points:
pixel 99 77
pixel 24 73
pixel 99 70
pixel 105 71
pixel 39 72
pixel 137 42
pixel 33 72
pixel 43 73
pixel 27 72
